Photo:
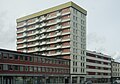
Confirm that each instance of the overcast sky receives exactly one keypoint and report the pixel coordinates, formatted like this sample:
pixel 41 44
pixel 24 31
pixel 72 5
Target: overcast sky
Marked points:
pixel 103 22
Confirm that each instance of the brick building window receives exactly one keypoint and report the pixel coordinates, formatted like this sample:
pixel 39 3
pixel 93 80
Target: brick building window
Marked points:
pixel 1 66
pixel 0 55
pixel 11 57
pixel 5 55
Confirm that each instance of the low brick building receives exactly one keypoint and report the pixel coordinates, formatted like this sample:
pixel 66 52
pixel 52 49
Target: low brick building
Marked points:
pixel 23 68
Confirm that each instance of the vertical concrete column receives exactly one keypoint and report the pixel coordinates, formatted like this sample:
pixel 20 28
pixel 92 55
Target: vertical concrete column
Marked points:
pixel 78 80
pixel 24 80
pixel 70 79
pixel 14 80
pixel 2 80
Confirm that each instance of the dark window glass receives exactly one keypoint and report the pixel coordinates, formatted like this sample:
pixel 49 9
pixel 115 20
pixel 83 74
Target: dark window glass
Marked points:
pixel 10 67
pixel 1 66
pixel 21 58
pixel 5 55
pixel 16 67
pixel 0 55
pixel 11 57
pixel 16 57
pixel 26 68
pixel 31 59
pixel 26 58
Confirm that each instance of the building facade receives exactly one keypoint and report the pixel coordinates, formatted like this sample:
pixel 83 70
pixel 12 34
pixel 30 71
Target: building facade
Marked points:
pixel 59 31
pixel 22 68
pixel 115 71
pixel 98 67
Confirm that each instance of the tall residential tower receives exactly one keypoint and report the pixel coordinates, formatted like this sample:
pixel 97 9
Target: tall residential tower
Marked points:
pixel 59 31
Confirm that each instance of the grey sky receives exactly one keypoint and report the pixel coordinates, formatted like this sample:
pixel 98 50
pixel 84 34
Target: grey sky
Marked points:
pixel 103 22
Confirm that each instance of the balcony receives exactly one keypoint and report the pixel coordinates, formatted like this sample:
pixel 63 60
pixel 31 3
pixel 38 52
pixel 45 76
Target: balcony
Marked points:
pixel 51 17
pixel 63 53
pixel 42 19
pixel 44 42
pixel 66 46
pixel 98 65
pixel 66 13
pixel 32 45
pixel 21 41
pixel 31 22
pixel 58 14
pixel 21 25
pixel 58 40
pixel 37 44
pixel 36 49
pixel 58 27
pixel 65 26
pixel 37 26
pixel 64 20
pixel 36 38
pixel 33 28
pixel 42 49
pixel 67 39
pixel 65 33
pixel 24 34
pixel 57 53
pixel 19 47
pixel 42 37
pixel 52 23
pixel 59 46
pixel 43 30
pixel 42 25
pixel 20 31
pixel 59 20
pixel 33 33
pixel 49 36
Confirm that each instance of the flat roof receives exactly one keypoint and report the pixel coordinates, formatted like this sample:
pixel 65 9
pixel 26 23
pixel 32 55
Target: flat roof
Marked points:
pixel 98 53
pixel 55 8
pixel 22 53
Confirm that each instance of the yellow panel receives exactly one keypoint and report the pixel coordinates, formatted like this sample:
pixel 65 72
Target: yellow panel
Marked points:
pixel 68 4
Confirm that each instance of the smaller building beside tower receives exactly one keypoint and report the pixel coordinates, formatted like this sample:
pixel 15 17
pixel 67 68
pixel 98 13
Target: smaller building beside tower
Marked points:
pixel 115 71
pixel 23 68
pixel 98 67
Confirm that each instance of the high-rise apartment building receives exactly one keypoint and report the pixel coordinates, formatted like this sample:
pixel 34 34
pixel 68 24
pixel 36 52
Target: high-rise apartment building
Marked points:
pixel 59 31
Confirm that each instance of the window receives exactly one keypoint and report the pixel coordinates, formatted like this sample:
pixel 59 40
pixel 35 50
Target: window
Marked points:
pixel 35 59
pixel 16 57
pixel 21 68
pixel 16 67
pixel 1 66
pixel 26 58
pixel 5 55
pixel 11 57
pixel 31 59
pixel 35 69
pixel 76 25
pixel 31 68
pixel 39 69
pixel 0 55
pixel 26 68
pixel 43 69
pixel 21 58
pixel 10 67
pixel 73 17
pixel 73 24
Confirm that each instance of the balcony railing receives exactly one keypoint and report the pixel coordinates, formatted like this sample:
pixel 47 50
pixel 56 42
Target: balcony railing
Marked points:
pixel 20 31
pixel 21 25
pixel 21 41
pixel 21 36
